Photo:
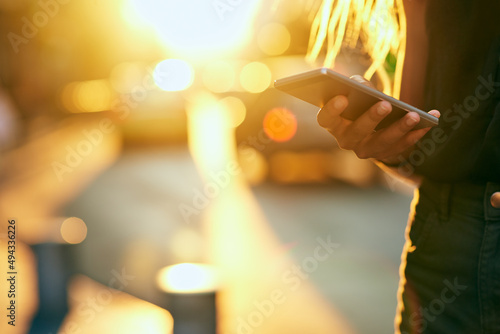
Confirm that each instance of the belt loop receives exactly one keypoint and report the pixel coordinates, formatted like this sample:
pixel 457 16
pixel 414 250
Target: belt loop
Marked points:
pixel 445 202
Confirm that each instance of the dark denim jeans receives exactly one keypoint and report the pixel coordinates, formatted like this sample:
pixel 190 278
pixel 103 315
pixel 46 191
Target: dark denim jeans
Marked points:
pixel 450 271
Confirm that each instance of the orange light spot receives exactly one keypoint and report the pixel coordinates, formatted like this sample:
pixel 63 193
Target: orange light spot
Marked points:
pixel 73 230
pixel 280 124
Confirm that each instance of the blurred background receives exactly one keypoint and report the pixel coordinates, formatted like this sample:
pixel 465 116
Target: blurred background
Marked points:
pixel 159 183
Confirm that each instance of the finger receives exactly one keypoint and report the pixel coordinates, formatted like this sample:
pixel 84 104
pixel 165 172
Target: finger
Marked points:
pixel 365 124
pixel 414 136
pixel 435 113
pixel 409 140
pixel 395 132
pixel 361 80
pixel 329 116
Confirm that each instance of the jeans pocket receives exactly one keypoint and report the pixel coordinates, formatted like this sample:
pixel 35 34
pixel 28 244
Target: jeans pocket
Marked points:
pixel 421 228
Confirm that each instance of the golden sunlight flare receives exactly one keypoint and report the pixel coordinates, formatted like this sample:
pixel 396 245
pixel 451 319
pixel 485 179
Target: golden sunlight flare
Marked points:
pixel 173 75
pixel 196 29
pixel 211 134
pixel 188 278
pixel 112 311
pixel 380 25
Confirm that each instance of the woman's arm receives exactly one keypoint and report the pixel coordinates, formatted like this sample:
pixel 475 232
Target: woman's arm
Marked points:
pixel 415 61
pixel 414 68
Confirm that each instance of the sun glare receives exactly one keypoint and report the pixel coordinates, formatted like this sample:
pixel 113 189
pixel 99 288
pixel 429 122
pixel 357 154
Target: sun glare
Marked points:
pixel 187 278
pixel 173 75
pixel 195 28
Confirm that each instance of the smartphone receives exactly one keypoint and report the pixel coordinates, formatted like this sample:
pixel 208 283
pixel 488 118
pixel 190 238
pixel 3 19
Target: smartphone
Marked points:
pixel 319 86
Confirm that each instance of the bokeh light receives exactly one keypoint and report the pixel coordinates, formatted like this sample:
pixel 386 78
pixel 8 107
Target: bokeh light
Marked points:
pixel 188 278
pixel 219 76
pixel 73 230
pixel 274 39
pixel 94 95
pixel 255 77
pixel 234 108
pixel 211 135
pixel 280 124
pixel 87 96
pixel 253 164
pixel 173 75
pixel 68 98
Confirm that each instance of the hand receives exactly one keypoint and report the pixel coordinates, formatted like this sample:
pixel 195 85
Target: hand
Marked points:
pixel 387 144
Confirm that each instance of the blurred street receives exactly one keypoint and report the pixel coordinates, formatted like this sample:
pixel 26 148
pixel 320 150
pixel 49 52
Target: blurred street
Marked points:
pixel 151 176
pixel 133 220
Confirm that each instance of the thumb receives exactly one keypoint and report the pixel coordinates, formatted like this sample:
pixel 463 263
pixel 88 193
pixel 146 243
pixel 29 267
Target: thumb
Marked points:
pixel 361 80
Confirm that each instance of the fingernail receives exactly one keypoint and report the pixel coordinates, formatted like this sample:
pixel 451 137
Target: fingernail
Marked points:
pixel 382 109
pixel 435 113
pixel 339 103
pixel 411 121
